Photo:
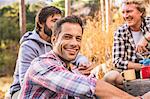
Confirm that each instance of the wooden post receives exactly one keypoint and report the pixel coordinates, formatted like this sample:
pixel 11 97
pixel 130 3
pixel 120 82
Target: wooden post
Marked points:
pixel 110 12
pixel 67 7
pixel 102 15
pixel 107 14
pixel 22 16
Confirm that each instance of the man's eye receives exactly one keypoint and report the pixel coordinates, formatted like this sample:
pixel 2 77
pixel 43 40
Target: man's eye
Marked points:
pixel 67 37
pixel 128 11
pixel 53 20
pixel 78 39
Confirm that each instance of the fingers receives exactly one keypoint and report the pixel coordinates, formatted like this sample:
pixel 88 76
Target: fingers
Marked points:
pixel 85 72
pixel 141 49
pixel 141 46
pixel 85 69
pixel 85 64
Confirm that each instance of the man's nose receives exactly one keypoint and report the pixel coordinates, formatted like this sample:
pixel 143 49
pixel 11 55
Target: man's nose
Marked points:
pixel 125 15
pixel 74 41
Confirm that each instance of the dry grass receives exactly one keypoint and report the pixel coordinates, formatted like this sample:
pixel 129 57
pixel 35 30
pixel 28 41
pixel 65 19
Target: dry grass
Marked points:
pixel 97 45
pixel 5 83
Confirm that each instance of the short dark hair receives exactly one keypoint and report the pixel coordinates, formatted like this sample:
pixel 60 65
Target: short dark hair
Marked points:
pixel 68 19
pixel 43 14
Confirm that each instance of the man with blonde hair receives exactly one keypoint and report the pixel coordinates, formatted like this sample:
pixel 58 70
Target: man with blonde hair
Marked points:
pixel 130 39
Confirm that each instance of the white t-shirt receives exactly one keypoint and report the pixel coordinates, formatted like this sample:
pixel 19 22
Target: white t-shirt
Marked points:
pixel 136 36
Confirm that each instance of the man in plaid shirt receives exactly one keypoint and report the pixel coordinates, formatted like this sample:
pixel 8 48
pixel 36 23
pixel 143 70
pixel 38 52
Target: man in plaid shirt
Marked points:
pixel 50 76
pixel 37 42
pixel 129 40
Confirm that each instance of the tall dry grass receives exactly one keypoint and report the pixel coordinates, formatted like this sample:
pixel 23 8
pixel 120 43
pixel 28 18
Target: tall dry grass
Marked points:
pixel 97 45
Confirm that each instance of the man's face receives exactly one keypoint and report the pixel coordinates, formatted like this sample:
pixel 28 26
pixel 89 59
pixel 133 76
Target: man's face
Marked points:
pixel 51 20
pixel 68 42
pixel 48 26
pixel 131 15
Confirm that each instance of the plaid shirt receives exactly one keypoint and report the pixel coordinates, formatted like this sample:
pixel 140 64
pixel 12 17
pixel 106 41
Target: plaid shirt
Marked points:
pixel 124 46
pixel 48 78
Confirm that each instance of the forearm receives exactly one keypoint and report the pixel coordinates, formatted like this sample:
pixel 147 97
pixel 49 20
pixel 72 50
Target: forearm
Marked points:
pixel 107 91
pixel 132 65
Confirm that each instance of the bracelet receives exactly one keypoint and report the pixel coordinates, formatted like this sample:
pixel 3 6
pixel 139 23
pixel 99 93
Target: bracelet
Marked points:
pixel 146 39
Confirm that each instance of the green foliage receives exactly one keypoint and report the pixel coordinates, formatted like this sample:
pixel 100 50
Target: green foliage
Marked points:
pixel 92 4
pixel 9 27
pixel 36 6
pixel 59 4
pixel 30 26
pixel 9 20
pixel 10 35
pixel 5 10
pixel 10 32
pixel 8 50
pixel 30 16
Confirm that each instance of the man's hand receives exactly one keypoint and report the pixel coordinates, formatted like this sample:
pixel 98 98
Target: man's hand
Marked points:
pixel 147 35
pixel 141 46
pixel 85 68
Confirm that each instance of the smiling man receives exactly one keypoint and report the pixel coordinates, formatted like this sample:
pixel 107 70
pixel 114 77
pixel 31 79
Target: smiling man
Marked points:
pixel 37 42
pixel 130 39
pixel 68 42
pixel 51 77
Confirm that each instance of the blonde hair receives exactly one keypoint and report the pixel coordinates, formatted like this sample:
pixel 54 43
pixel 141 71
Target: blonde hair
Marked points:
pixel 139 3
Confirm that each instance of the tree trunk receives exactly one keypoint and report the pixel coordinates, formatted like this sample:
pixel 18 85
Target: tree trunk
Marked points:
pixel 108 14
pixel 67 7
pixel 102 15
pixel 22 17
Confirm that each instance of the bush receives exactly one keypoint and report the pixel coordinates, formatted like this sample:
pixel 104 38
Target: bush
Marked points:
pixel 97 44
pixel 8 50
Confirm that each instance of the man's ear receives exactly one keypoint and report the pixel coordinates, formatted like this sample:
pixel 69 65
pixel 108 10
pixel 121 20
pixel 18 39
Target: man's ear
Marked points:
pixel 53 39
